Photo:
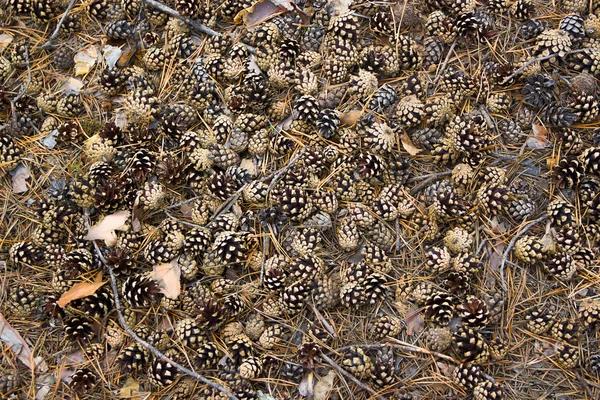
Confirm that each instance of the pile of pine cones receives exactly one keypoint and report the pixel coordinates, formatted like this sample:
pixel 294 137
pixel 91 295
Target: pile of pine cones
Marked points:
pixel 327 165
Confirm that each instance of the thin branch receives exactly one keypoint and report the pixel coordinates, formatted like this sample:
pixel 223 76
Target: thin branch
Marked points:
pixel 534 60
pixel 276 175
pixel 143 343
pixel 350 376
pixel 443 67
pixel 57 29
pixel 432 178
pixel 13 103
pixel 511 244
pixel 194 24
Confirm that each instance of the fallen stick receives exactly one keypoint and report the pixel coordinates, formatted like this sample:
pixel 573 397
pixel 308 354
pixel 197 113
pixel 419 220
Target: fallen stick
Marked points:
pixel 143 343
pixel 350 376
pixel 57 29
pixel 194 24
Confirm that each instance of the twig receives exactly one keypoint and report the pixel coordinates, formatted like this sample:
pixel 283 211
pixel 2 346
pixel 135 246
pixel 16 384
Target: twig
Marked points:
pixel 323 321
pixel 411 348
pixel 57 29
pixel 511 244
pixel 443 67
pixel 434 177
pixel 134 336
pixel 350 376
pixel 276 175
pixel 534 60
pixel 194 24
pixel 13 103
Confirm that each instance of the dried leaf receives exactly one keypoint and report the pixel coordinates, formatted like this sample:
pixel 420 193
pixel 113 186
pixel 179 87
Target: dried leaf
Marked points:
pixel 306 386
pixel 130 389
pixel 339 6
pixel 539 140
pixel 111 55
pixel 249 166
pixel 85 60
pixel 414 321
pixel 409 146
pixel 260 11
pixel 126 57
pixel 168 277
pixel 351 117
pixel 5 40
pixel 50 140
pixel 324 386
pixel 19 346
pixel 19 179
pixel 81 290
pixel 72 85
pixel 106 228
pixel 121 119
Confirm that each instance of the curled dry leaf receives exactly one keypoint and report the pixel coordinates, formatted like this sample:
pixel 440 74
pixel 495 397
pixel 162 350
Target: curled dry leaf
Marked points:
pixel 105 230
pixel 111 55
pixel 351 117
pixel 324 386
pixel 85 60
pixel 5 40
pixel 539 140
pixel 19 179
pixel 81 290
pixel 260 11
pixel 168 277
pixel 408 145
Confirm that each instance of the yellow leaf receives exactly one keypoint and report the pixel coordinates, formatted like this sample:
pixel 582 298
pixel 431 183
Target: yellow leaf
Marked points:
pixel 409 146
pixel 80 290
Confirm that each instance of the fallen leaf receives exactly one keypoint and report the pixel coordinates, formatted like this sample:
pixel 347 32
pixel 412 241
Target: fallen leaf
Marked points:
pixel 85 60
pixel 324 386
pixel 338 7
pixel 168 277
pixel 130 389
pixel 19 179
pixel 351 117
pixel 409 146
pixel 5 40
pixel 19 346
pixel 249 166
pixel 264 396
pixel 72 85
pixel 306 386
pixel 126 57
pixel 106 228
pixel 539 140
pixel 111 55
pixel 50 140
pixel 259 12
pixel 253 66
pixel 414 321
pixel 186 210
pixel 81 290
pixel 539 131
pixel 121 119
